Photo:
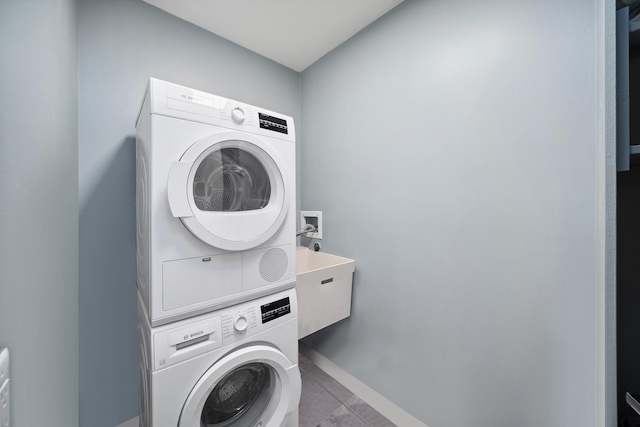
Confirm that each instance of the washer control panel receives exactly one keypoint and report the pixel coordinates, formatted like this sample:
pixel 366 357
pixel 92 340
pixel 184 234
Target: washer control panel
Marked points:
pixel 185 340
pixel 189 338
pixel 244 320
pixel 273 310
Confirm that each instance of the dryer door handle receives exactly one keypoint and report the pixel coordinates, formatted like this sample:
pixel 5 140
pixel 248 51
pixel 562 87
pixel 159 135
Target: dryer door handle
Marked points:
pixel 177 189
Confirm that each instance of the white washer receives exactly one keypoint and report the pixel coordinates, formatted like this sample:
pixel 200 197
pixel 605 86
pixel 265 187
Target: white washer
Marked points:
pixel 215 202
pixel 236 367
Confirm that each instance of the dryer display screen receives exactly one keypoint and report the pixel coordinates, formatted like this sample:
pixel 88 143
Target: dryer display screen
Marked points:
pixel 275 309
pixel 275 124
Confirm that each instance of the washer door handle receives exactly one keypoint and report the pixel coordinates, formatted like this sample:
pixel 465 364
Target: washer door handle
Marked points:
pixel 177 189
pixel 295 386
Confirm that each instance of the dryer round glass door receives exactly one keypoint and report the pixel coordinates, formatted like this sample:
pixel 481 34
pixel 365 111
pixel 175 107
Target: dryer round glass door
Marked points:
pixel 231 180
pixel 229 191
pixel 250 387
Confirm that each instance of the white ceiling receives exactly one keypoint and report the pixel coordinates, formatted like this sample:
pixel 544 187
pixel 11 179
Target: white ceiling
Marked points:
pixel 294 33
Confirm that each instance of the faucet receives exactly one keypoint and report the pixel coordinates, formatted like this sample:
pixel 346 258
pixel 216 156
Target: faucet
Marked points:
pixel 308 228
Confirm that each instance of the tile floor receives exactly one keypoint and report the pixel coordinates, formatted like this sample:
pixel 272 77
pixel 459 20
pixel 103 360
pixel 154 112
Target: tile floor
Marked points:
pixel 327 403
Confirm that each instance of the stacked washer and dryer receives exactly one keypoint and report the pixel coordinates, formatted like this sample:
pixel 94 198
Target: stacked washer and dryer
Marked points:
pixel 217 312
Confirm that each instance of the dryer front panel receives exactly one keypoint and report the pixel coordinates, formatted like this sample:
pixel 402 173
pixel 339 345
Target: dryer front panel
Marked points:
pixel 253 386
pixel 230 191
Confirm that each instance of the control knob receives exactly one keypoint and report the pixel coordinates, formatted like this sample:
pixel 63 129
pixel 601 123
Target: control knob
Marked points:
pixel 240 323
pixel 238 114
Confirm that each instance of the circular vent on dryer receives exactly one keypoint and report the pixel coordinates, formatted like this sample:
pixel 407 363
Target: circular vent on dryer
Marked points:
pixel 273 264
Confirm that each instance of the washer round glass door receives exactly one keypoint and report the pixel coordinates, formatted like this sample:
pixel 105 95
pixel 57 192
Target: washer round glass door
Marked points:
pixel 229 190
pixel 254 386
pixel 243 393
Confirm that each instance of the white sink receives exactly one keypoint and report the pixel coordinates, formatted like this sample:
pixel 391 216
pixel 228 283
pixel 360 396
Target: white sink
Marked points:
pixel 323 285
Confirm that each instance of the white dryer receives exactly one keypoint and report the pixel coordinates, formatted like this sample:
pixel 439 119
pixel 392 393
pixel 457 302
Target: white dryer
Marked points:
pixel 215 202
pixel 236 367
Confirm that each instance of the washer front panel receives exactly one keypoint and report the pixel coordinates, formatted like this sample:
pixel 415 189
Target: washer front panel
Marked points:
pixel 265 335
pixel 275 400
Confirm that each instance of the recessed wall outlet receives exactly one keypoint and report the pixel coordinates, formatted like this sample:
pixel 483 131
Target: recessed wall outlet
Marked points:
pixel 313 218
pixel 5 414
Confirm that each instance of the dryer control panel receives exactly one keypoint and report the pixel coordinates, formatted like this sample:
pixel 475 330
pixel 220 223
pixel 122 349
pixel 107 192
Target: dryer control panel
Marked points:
pixel 171 100
pixel 273 123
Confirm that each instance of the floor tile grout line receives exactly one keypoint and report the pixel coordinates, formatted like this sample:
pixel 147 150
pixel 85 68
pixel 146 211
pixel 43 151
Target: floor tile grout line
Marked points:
pixel 390 414
pixel 316 422
pixel 343 404
pixel 357 415
pixel 333 379
pixel 333 394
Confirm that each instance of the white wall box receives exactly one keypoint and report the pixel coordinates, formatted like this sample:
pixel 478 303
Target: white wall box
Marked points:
pixel 313 218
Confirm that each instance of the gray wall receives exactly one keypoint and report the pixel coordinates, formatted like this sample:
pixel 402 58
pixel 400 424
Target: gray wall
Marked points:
pixel 453 148
pixel 121 44
pixel 472 216
pixel 39 209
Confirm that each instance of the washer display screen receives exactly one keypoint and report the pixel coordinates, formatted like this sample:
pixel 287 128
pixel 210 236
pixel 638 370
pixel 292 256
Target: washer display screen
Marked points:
pixel 275 309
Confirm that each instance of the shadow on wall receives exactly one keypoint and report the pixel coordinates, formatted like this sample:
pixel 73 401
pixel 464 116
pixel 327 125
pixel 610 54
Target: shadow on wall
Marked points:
pixel 107 295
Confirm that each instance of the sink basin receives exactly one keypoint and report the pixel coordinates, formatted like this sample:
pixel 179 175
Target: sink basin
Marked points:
pixel 323 285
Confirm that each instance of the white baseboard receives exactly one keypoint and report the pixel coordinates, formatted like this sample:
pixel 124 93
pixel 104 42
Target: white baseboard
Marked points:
pixel 393 412
pixel 133 422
